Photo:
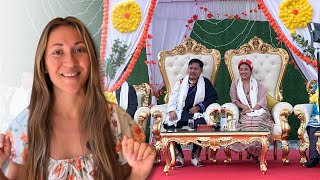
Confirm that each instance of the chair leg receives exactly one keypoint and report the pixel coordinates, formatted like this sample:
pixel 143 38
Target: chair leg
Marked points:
pixel 227 151
pixel 213 154
pixel 158 157
pixel 240 155
pixel 285 152
pixel 303 155
pixel 207 153
pixel 275 150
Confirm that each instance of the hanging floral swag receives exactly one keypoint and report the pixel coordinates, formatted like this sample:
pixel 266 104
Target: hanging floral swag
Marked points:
pixel 283 38
pixel 304 44
pixel 137 52
pixel 116 59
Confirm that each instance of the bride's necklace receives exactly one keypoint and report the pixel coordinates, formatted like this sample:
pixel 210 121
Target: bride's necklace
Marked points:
pixel 246 89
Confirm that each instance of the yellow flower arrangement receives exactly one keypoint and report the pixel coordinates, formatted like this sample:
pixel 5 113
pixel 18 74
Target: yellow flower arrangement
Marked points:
pixel 295 13
pixel 126 16
pixel 110 97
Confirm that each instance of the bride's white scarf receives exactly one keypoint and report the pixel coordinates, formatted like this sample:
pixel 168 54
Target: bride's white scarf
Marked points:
pixel 253 96
pixel 183 92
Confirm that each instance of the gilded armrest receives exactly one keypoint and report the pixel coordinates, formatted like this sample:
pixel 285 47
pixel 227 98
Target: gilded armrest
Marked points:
pixel 141 116
pixel 280 113
pixel 159 113
pixel 303 113
pixel 208 115
pixel 233 110
pixel 233 113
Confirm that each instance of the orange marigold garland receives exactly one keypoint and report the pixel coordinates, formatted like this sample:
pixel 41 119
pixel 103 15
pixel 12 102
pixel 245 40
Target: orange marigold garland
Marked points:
pixel 136 54
pixel 283 38
pixel 103 44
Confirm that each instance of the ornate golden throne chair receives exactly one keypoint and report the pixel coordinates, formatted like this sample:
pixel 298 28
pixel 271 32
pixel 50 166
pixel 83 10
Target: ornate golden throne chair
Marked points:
pixel 173 66
pixel 141 115
pixel 269 65
pixel 304 112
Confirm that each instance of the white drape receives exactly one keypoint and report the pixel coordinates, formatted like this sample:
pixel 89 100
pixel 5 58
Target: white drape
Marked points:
pixel 131 39
pixel 273 7
pixel 168 29
pixel 169 21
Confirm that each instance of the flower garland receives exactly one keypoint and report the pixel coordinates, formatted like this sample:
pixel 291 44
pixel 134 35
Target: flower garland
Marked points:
pixel 210 15
pixel 283 38
pixel 116 59
pixel 103 44
pixel 136 54
pixel 295 14
pixel 126 16
pixel 307 49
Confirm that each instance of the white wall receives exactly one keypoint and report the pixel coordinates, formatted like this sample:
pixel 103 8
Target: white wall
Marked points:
pixel 21 24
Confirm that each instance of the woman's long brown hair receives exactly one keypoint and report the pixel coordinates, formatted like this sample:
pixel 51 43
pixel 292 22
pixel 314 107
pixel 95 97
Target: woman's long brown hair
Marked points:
pixel 94 117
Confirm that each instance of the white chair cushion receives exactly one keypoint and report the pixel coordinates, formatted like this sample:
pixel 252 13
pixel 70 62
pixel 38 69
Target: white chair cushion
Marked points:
pixel 140 98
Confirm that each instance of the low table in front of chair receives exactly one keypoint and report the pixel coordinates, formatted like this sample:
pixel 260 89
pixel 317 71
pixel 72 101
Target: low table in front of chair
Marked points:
pixel 213 140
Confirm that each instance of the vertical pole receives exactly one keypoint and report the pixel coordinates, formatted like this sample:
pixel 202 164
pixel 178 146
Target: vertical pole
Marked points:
pixel 318 60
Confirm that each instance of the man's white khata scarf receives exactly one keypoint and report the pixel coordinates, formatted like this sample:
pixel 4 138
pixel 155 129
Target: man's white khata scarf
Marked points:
pixel 253 96
pixel 124 95
pixel 183 92
pixel 123 98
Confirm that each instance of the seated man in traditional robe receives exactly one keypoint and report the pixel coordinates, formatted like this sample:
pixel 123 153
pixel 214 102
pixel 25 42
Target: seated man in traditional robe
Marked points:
pixel 188 100
pixel 127 98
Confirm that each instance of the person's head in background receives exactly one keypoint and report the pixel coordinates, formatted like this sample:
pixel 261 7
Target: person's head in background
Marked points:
pixel 66 63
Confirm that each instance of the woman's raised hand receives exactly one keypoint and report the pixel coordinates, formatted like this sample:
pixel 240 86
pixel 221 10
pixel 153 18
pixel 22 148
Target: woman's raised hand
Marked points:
pixel 5 149
pixel 140 157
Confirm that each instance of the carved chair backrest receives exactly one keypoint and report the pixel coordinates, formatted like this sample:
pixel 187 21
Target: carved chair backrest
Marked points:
pixel 269 64
pixel 143 94
pixel 174 63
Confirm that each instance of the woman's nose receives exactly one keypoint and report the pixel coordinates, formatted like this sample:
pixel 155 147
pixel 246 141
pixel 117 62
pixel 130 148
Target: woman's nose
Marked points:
pixel 71 60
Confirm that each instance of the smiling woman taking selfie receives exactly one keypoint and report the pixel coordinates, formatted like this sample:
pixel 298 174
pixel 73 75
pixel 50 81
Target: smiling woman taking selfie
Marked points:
pixel 70 130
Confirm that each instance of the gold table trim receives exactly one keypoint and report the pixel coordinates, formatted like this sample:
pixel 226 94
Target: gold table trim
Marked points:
pixel 213 140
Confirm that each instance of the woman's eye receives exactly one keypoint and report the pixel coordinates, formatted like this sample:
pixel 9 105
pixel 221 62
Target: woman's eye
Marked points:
pixel 80 50
pixel 57 52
